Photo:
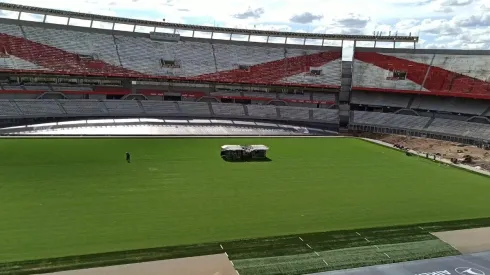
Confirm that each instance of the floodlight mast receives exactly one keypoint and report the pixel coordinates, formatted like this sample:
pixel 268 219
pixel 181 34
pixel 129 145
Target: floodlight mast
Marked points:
pixel 209 29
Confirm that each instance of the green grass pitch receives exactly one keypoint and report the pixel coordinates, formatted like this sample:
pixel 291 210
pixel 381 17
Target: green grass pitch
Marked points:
pixel 62 197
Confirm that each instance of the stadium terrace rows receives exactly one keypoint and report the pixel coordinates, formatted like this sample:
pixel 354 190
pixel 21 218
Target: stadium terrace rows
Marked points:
pixel 439 93
pixel 80 51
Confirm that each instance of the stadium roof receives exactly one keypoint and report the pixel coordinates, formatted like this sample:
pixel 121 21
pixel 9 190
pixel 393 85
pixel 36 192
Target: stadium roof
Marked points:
pixel 136 22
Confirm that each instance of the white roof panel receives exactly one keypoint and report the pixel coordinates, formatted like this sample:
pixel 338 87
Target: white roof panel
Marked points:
pixel 231 147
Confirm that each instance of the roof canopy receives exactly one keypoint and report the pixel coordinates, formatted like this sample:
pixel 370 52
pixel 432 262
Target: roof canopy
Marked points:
pixel 252 32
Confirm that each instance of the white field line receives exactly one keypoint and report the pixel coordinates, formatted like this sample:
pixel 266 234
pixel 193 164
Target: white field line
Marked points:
pixel 376 247
pixel 221 247
pixel 237 272
pixel 387 255
pixel 421 227
pixel 358 234
pixel 367 240
pixel 316 253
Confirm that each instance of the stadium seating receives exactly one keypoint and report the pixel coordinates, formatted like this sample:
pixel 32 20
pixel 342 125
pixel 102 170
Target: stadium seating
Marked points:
pixel 228 109
pixel 92 53
pixel 453 105
pixel 83 107
pixel 456 128
pixel 262 111
pixel 460 128
pixel 380 99
pixel 8 109
pixel 35 107
pixel 159 107
pixel 325 115
pixel 123 108
pixel 294 113
pixel 195 108
pixel 390 120
pixel 437 73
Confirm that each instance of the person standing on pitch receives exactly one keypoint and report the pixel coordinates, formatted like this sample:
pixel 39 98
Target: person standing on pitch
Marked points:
pixel 128 157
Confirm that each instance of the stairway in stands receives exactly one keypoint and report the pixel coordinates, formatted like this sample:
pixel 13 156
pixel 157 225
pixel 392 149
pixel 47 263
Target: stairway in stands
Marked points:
pixel 345 93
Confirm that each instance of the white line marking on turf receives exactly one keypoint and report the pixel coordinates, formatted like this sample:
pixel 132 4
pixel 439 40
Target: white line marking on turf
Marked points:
pixel 232 263
pixel 421 227
pixel 300 239
pixel 317 253
pixel 237 272
pixel 309 246
pixel 221 247
pixel 325 262
pixel 226 254
pixel 367 240
pixel 376 247
pixel 387 255
pixel 358 233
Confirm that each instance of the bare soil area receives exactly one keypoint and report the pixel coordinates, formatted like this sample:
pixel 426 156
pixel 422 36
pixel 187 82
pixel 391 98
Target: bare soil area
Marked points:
pixel 468 240
pixel 445 149
pixel 202 265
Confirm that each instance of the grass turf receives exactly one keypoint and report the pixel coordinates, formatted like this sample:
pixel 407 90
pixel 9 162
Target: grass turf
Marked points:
pixel 66 197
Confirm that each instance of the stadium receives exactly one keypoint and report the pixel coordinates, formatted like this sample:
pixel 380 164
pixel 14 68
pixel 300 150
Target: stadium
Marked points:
pixel 376 165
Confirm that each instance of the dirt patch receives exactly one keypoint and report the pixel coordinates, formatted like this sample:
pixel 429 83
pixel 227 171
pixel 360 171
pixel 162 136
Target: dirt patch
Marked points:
pixel 445 149
pixel 468 240
pixel 202 265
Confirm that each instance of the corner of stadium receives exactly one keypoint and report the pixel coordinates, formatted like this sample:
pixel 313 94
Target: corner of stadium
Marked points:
pixel 375 165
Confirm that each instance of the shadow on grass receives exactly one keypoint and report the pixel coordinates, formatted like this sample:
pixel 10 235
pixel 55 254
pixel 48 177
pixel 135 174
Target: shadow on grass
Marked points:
pixel 248 160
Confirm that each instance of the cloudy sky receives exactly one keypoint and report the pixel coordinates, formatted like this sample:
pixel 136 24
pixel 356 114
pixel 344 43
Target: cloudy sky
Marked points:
pixel 463 24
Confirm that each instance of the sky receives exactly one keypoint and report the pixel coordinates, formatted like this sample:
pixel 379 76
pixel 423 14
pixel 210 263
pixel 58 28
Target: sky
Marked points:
pixel 455 24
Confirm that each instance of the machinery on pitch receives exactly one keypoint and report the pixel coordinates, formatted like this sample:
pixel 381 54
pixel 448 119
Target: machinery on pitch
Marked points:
pixel 244 152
